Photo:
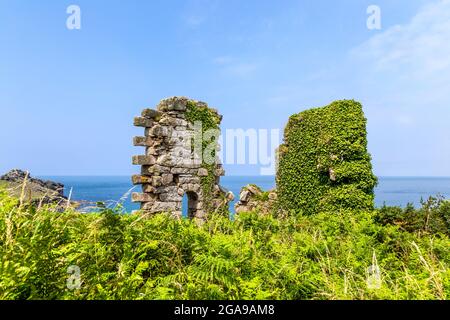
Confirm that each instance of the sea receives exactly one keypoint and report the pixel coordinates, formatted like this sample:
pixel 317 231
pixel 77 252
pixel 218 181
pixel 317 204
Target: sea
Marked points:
pixel 111 190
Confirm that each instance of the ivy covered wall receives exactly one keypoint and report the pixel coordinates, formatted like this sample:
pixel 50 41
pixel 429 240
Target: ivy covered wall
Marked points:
pixel 323 163
pixel 210 120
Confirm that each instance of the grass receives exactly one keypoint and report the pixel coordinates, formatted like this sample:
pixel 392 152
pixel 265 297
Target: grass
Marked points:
pixel 344 255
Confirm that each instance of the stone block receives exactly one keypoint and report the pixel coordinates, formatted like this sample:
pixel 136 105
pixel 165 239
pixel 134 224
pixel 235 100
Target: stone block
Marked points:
pixel 158 131
pixel 159 206
pixel 173 122
pixel 143 122
pixel 165 160
pixel 219 172
pixel 253 189
pixel 156 181
pixel 142 197
pixel 144 160
pixel 170 197
pixel 151 114
pixel 194 187
pixel 155 150
pixel 166 179
pixel 143 141
pixel 148 188
pixel 244 196
pixel 183 171
pixel 188 179
pixel 138 179
pixel 173 104
pixel 154 170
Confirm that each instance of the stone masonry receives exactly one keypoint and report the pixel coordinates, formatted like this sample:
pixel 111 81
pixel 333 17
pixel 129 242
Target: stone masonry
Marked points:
pixel 170 166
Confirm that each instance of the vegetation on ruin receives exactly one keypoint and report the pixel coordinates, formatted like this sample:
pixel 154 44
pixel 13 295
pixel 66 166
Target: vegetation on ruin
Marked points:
pixel 324 164
pixel 318 256
pixel 209 120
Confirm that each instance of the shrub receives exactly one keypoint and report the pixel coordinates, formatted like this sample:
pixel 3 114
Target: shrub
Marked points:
pixel 433 217
pixel 254 257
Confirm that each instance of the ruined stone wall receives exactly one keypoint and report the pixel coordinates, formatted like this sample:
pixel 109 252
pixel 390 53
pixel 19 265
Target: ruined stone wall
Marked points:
pixel 174 164
pixel 253 198
pixel 324 165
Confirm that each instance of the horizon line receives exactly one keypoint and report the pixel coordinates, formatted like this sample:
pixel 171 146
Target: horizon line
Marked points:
pixel 233 175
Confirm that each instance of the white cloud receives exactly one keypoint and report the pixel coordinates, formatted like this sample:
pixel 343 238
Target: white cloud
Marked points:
pixel 419 49
pixel 403 74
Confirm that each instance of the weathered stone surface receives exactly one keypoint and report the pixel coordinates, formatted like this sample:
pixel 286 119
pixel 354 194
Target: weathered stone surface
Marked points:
pixel 244 196
pixel 219 172
pixel 158 131
pixel 183 171
pixel 188 179
pixel 159 206
pixel 195 187
pixel 155 151
pixel 156 181
pixel 253 189
pixel 165 160
pixel 143 141
pixel 170 197
pixel 173 189
pixel 174 103
pixel 138 179
pixel 170 168
pixel 143 122
pixel 151 114
pixel 166 179
pixel 154 170
pixel 142 197
pixel 252 198
pixel 173 122
pixel 144 160
pixel 148 188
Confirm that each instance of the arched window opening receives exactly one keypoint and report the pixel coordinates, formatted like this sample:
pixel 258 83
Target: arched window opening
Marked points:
pixel 189 204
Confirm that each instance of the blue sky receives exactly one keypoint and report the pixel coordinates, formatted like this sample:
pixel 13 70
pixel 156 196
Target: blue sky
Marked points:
pixel 68 97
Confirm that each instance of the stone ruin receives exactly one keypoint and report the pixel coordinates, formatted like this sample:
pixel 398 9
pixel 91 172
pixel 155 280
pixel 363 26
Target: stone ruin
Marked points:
pixel 253 198
pixel 172 167
pixel 324 165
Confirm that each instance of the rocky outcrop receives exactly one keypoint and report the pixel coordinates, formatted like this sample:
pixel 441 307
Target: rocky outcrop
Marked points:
pixel 253 198
pixel 172 166
pixel 34 190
